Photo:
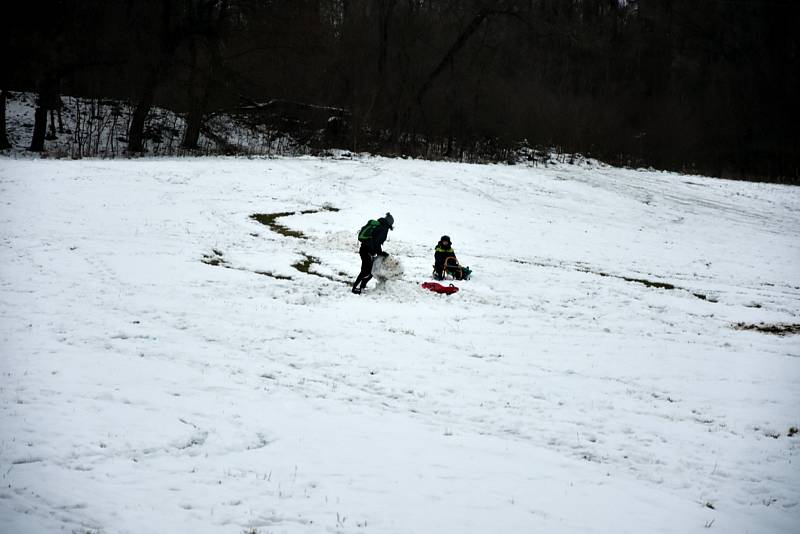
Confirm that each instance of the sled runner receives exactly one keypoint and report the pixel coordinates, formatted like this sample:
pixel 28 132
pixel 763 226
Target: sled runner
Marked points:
pixel 452 269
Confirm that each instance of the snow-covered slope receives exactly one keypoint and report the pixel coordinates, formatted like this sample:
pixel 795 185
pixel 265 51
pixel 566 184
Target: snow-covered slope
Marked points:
pixel 167 366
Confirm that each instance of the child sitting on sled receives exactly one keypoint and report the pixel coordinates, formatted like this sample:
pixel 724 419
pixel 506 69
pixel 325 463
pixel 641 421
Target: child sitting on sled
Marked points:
pixel 446 263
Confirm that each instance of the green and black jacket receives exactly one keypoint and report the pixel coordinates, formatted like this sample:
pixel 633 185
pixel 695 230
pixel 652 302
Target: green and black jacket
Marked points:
pixel 376 239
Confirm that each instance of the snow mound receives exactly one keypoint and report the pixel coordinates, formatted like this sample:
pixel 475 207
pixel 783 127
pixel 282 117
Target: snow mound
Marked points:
pixel 388 268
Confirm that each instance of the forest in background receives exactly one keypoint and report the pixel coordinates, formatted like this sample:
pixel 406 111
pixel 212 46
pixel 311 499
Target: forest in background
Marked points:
pixel 694 86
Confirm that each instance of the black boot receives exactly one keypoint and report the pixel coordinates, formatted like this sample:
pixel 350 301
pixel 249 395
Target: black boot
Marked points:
pixel 361 280
pixel 356 289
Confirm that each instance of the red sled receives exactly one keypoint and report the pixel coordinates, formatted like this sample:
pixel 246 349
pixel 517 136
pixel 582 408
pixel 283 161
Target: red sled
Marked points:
pixel 439 288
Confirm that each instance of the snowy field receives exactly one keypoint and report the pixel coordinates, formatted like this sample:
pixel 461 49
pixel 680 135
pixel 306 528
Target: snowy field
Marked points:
pixel 168 366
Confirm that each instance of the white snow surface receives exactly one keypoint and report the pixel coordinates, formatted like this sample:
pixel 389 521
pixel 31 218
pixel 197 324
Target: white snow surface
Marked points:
pixel 145 389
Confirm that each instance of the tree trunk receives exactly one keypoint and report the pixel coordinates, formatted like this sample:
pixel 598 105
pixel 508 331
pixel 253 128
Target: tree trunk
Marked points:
pixel 4 144
pixel 204 69
pixel 39 127
pixel 51 132
pixel 136 129
pixel 448 58
pixel 385 11
pixel 194 117
pixel 194 122
pixel 169 39
pixel 46 100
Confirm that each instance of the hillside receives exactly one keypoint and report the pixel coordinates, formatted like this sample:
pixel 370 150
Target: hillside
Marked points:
pixel 625 358
pixel 95 127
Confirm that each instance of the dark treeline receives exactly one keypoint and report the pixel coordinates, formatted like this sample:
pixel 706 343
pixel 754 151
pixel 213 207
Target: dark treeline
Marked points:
pixel 703 86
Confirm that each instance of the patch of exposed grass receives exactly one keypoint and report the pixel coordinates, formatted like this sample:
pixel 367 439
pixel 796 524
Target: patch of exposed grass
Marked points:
pixel 214 259
pixel 305 264
pixel 649 283
pixel 217 260
pixel 778 329
pixel 270 220
pixel 273 275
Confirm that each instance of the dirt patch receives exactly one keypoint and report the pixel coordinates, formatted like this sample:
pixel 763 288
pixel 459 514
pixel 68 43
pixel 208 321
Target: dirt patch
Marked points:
pixel 663 285
pixel 273 275
pixel 649 283
pixel 216 258
pixel 778 329
pixel 270 220
pixel 304 266
pixel 643 281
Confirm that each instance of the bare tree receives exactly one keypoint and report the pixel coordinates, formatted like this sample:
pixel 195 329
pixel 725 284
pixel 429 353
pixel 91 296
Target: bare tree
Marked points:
pixel 160 36
pixel 4 144
pixel 206 22
pixel 46 100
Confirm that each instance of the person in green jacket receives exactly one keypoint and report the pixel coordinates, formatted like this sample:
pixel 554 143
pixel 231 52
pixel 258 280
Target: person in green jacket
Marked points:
pixel 371 237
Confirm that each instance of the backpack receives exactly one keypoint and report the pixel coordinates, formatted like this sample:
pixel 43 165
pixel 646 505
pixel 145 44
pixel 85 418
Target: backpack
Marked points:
pixel 365 234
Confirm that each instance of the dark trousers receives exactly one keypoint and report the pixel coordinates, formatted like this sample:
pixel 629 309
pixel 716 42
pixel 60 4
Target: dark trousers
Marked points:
pixel 366 269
